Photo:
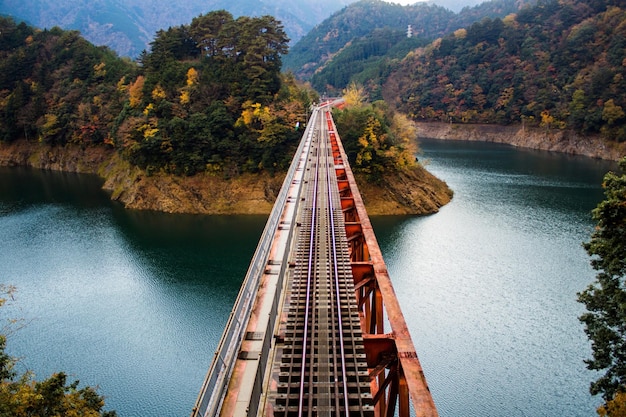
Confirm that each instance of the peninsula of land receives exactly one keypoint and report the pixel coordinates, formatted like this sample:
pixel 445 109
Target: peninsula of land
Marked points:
pixel 412 192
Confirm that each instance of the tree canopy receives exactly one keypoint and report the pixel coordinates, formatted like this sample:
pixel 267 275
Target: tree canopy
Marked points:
pixel 56 87
pixel 364 20
pixel 191 108
pixel 558 64
pixel 209 96
pixel 377 140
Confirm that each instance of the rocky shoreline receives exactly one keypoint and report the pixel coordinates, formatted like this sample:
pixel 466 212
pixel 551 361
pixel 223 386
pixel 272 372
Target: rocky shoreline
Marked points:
pixel 416 192
pixel 132 187
pixel 533 138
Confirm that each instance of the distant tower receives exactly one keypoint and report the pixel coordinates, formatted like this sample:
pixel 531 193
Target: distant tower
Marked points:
pixel 409 32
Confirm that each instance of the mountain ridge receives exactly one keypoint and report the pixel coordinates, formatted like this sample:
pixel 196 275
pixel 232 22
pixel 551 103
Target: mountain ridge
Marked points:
pixel 205 110
pixel 558 66
pixel 361 19
pixel 128 27
pixel 552 64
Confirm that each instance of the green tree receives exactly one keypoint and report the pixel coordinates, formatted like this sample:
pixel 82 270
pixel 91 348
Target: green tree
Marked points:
pixel 206 29
pixel 260 43
pixel 578 109
pixel 605 299
pixel 377 140
pixel 612 112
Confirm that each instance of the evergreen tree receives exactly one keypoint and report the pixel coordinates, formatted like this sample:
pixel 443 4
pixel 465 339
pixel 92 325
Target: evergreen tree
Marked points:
pixel 605 299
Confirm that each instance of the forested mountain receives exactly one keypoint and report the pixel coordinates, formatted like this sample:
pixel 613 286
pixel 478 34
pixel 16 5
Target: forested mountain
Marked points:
pixel 209 96
pixel 54 84
pixel 366 61
pixel 128 26
pixel 356 22
pixel 560 64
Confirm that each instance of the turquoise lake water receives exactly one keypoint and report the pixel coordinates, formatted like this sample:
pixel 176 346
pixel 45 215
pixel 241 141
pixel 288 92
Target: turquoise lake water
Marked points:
pixel 135 302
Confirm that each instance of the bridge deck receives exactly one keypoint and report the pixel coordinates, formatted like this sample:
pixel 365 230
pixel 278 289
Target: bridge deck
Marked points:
pixel 306 336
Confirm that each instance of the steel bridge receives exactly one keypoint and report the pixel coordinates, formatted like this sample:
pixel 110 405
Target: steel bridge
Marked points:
pixel 307 336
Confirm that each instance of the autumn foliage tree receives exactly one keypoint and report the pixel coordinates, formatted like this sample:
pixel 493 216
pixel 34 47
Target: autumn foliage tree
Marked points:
pixel 558 64
pixel 615 407
pixel 56 87
pixel 378 140
pixel 178 112
pixel 213 99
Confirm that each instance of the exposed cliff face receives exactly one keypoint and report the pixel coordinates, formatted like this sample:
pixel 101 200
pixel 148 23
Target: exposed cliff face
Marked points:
pixel 416 192
pixel 200 194
pixel 411 192
pixel 533 138
pixel 84 160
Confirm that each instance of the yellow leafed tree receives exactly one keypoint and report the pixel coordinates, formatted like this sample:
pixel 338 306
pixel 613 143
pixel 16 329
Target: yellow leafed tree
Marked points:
pixel 135 91
pixel 354 95
pixel 192 77
pixel 614 408
pixel 184 97
pixel 158 93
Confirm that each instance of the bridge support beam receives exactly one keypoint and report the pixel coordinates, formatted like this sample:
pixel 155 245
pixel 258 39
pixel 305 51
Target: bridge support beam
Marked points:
pixel 397 378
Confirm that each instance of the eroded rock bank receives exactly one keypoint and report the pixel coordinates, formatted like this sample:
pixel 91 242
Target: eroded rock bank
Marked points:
pixel 199 194
pixel 83 160
pixel 533 138
pixel 415 192
pixel 410 192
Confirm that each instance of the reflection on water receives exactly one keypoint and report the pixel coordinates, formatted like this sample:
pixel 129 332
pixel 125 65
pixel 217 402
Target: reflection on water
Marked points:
pixel 134 302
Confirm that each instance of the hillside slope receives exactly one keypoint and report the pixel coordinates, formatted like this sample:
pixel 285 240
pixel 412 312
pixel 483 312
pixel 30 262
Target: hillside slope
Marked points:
pixel 195 128
pixel 559 65
pixel 359 20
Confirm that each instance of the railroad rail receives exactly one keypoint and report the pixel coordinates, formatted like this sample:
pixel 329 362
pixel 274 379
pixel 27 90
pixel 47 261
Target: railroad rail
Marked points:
pixel 322 367
pixel 307 333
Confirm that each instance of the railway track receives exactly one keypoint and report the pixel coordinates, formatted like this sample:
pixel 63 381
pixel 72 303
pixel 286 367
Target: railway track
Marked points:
pixel 320 363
